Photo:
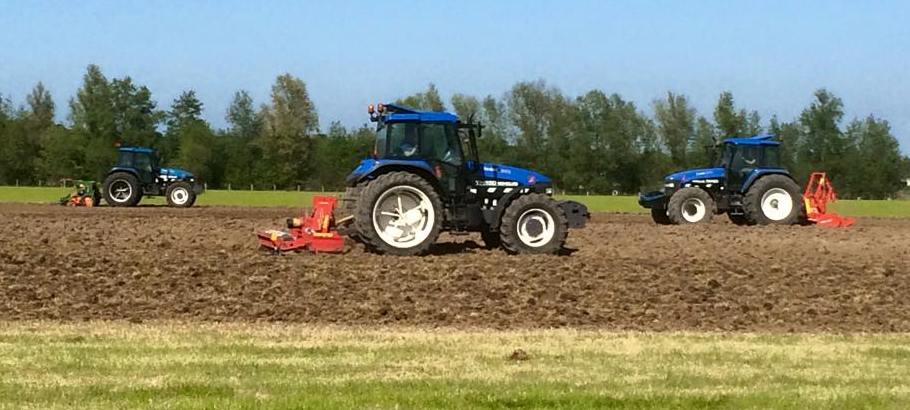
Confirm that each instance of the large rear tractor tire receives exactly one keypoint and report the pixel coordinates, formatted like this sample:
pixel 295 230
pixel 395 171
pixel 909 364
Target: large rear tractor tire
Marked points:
pixel 180 195
pixel 398 213
pixel 122 189
pixel 348 209
pixel 773 200
pixel 660 216
pixel 533 223
pixel 690 206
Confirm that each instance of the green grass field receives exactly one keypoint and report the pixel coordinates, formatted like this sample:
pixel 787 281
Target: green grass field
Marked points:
pixel 596 203
pixel 117 365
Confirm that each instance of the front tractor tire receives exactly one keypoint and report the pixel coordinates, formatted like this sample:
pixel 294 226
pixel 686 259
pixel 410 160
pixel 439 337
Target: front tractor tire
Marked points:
pixel 690 206
pixel 773 200
pixel 122 189
pixel 180 195
pixel 533 223
pixel 398 213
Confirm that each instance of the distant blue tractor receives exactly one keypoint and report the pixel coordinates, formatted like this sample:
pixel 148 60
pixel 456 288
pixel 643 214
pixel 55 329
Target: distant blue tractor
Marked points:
pixel 425 177
pixel 747 183
pixel 138 174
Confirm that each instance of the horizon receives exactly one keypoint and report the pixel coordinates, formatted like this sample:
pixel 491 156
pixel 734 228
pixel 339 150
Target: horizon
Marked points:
pixel 768 55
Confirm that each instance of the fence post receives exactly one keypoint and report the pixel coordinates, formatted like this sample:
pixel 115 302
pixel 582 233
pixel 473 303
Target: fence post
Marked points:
pixel 251 187
pixel 229 187
pixel 17 183
pixel 274 187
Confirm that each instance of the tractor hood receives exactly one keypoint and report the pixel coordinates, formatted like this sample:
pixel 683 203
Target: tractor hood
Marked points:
pixel 514 174
pixel 172 174
pixel 693 174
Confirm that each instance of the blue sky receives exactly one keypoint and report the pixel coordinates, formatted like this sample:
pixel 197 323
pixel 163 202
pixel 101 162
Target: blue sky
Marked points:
pixel 770 54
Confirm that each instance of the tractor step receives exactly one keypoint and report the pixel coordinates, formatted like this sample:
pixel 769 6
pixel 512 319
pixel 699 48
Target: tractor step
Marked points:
pixel 314 232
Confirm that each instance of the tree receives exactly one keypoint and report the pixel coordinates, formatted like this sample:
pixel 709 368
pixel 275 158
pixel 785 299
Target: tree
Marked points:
pixel 465 106
pixel 40 108
pixel 493 143
pixel 288 124
pixel 243 147
pixel 731 122
pixel 675 124
pixel 788 134
pixel 702 150
pixel 822 144
pixel 428 100
pixel 877 172
pixel 194 138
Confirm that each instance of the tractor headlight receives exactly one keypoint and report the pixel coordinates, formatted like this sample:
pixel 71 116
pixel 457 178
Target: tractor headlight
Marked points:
pixel 549 191
pixel 670 185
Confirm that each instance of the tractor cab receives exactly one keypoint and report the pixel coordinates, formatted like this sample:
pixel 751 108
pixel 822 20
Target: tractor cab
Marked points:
pixel 144 161
pixel 437 142
pixel 741 157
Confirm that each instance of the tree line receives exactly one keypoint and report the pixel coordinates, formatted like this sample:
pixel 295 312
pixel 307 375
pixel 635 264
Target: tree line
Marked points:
pixel 592 143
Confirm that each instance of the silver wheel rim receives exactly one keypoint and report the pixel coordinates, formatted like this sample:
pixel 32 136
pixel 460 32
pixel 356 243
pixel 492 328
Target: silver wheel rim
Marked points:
pixel 776 204
pixel 403 217
pixel 179 196
pixel 693 210
pixel 121 191
pixel 536 227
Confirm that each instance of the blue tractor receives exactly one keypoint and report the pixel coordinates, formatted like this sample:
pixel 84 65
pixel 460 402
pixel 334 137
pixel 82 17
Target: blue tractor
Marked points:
pixel 138 173
pixel 747 183
pixel 425 177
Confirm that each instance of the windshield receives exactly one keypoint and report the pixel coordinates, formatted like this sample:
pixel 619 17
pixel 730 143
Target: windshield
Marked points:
pixel 415 140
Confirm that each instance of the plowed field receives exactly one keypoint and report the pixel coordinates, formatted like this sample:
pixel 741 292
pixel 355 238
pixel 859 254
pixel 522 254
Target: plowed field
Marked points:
pixel 626 273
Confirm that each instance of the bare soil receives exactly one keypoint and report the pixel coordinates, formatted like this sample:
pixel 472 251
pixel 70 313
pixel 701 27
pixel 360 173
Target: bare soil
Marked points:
pixel 153 263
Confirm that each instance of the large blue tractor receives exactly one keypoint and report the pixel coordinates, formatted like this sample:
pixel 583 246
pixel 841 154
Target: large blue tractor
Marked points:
pixel 425 177
pixel 747 183
pixel 138 173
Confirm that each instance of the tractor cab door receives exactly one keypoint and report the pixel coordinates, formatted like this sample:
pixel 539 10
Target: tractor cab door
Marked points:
pixel 745 159
pixel 440 147
pixel 144 163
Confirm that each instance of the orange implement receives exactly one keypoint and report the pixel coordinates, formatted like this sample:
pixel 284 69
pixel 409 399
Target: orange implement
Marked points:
pixel 315 232
pixel 819 193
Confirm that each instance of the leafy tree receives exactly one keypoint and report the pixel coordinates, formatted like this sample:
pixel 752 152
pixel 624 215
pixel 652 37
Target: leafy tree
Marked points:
pixel 338 153
pixel 428 100
pixel 876 173
pixel 493 143
pixel 789 135
pixel 194 137
pixel 243 147
pixel 466 106
pixel 288 124
pixel 823 146
pixel 135 114
pixel 702 150
pixel 676 125
pixel 40 108
pixel 729 121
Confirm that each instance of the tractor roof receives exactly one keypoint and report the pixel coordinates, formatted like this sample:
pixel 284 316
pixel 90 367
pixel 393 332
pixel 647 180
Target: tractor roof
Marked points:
pixel 398 113
pixel 143 150
pixel 767 139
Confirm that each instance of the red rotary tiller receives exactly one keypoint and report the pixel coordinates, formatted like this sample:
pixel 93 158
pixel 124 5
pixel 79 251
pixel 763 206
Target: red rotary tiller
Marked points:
pixel 315 232
pixel 819 193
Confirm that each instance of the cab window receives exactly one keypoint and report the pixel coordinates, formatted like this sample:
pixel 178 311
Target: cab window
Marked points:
pixel 439 142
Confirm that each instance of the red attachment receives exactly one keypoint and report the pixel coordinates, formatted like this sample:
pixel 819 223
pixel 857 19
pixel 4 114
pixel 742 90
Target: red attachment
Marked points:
pixel 314 233
pixel 820 192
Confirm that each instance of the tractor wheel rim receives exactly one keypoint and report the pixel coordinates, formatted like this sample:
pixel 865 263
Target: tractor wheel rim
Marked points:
pixel 121 191
pixel 776 204
pixel 536 227
pixel 403 216
pixel 693 210
pixel 179 196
